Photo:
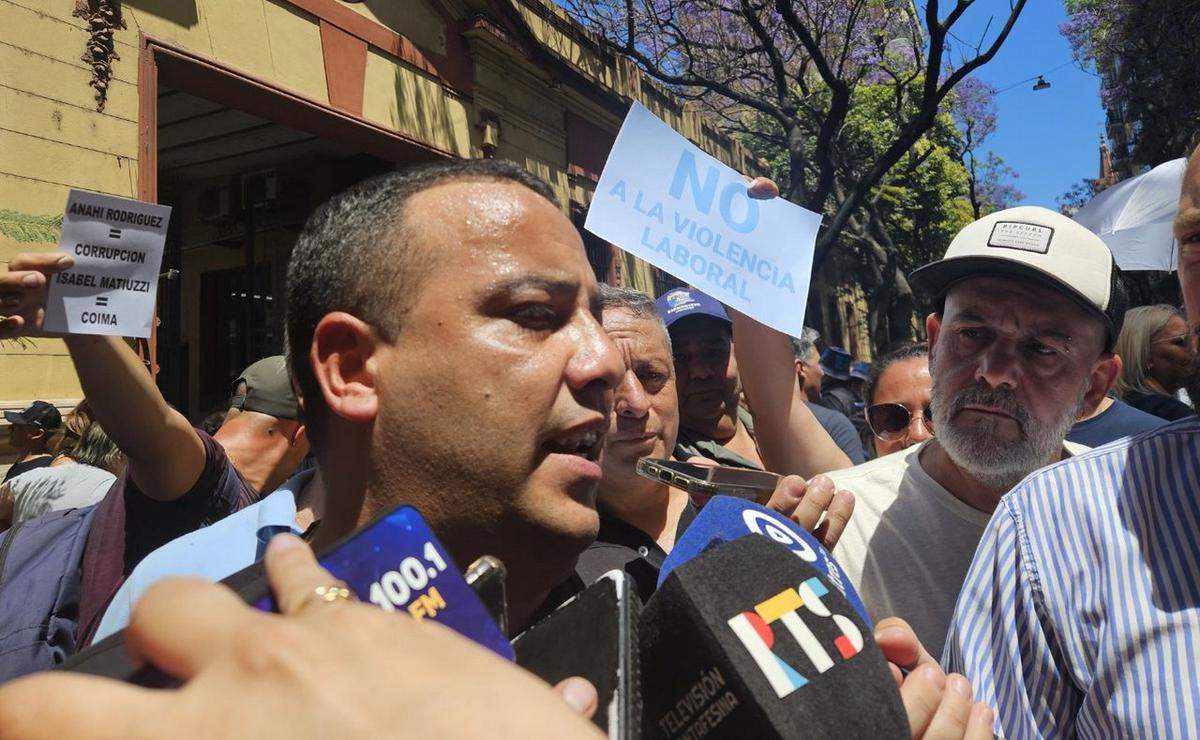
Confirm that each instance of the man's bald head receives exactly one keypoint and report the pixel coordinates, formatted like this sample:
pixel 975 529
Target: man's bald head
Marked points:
pixel 360 253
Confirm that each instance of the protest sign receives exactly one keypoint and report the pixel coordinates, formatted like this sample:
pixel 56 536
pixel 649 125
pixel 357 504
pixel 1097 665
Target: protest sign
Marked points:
pixel 117 244
pixel 664 200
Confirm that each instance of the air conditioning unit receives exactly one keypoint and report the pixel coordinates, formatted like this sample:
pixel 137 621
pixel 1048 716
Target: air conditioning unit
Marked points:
pixel 259 189
pixel 213 205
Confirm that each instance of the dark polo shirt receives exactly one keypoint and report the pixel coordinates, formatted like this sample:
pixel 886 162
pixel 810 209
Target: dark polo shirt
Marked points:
pixel 622 546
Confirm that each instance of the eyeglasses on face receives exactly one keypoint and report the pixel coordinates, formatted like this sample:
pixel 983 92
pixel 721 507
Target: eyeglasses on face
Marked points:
pixel 890 422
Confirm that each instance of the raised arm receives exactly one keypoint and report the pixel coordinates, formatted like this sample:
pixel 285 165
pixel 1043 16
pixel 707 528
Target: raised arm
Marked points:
pixel 790 438
pixel 165 456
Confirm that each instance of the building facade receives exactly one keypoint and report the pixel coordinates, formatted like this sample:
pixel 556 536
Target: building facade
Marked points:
pixel 243 115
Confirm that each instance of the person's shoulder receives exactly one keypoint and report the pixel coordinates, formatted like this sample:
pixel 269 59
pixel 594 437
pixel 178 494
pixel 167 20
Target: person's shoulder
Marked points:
pixel 1117 421
pixel 1128 416
pixel 78 472
pixel 1160 405
pixel 242 525
pixel 1187 430
pixel 829 418
pixel 886 470
pixel 34 477
pixel 20 470
pixel 1173 444
pixel 95 475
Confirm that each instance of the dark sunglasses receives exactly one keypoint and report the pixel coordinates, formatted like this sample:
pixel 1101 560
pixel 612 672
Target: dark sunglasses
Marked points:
pixel 890 421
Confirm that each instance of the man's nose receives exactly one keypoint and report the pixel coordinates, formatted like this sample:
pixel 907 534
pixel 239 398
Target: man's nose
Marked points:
pixel 699 370
pixel 631 400
pixel 596 359
pixel 998 366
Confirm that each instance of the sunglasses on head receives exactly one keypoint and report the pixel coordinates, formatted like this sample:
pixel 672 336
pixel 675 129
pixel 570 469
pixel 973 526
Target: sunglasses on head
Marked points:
pixel 891 421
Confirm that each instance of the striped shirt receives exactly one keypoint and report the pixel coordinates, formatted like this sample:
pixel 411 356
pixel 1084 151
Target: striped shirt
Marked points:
pixel 1080 615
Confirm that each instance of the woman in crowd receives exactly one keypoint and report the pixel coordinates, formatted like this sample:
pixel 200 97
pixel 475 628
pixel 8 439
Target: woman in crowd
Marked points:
pixel 897 395
pixel 1158 352
pixel 84 468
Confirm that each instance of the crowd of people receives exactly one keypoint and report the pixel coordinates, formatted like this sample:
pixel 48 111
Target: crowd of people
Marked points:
pixel 1013 500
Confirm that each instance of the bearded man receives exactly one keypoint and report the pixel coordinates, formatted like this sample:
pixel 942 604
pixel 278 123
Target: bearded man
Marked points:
pixel 1028 306
pixel 1079 615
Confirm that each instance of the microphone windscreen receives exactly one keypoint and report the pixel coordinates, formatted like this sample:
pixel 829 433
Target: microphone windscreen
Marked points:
pixel 725 518
pixel 594 635
pixel 749 641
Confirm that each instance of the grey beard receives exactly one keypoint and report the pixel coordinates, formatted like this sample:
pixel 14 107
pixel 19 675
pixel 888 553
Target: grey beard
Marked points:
pixel 998 465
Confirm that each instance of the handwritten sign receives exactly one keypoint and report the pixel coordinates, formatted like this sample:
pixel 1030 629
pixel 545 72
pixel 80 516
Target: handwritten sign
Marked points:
pixel 118 247
pixel 664 200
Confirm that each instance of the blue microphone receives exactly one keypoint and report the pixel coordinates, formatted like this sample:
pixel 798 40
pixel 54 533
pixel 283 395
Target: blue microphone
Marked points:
pixel 726 518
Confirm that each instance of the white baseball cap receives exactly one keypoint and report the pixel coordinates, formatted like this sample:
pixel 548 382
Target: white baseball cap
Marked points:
pixel 1034 243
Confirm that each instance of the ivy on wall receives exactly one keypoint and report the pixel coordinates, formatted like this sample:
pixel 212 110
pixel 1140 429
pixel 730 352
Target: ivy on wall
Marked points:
pixel 103 18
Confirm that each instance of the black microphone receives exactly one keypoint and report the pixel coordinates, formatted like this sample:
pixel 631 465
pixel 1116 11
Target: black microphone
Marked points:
pixel 594 635
pixel 751 639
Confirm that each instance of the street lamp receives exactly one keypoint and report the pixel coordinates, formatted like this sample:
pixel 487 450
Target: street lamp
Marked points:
pixel 1041 84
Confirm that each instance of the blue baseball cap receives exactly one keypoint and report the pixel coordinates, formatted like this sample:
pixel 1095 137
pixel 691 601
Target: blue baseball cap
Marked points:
pixel 860 370
pixel 835 361
pixel 680 303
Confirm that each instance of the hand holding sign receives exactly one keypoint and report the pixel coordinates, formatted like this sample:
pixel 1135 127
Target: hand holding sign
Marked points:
pixel 662 199
pixel 117 245
pixel 23 292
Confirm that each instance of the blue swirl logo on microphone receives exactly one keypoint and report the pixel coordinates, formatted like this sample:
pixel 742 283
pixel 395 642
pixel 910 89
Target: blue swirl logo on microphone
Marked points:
pixel 760 522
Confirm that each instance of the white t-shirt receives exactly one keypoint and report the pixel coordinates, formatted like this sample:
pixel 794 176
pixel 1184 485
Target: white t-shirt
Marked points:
pixel 909 542
pixel 56 488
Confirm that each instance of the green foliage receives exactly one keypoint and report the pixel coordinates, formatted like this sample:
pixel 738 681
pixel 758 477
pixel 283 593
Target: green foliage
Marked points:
pixel 1076 197
pixel 921 199
pixel 24 227
pixel 909 217
pixel 925 207
pixel 1145 53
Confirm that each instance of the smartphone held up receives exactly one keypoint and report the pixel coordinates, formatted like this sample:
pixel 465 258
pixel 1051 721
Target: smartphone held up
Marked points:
pixel 719 480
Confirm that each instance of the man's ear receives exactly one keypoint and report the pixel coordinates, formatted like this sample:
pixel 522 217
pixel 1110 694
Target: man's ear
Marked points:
pixel 344 361
pixel 933 327
pixel 298 436
pixel 1104 376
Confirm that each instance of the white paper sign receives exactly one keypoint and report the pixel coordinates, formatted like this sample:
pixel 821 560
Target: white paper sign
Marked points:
pixel 117 244
pixel 664 200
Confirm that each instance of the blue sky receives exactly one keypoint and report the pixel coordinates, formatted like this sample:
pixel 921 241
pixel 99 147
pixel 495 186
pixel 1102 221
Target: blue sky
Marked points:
pixel 1050 137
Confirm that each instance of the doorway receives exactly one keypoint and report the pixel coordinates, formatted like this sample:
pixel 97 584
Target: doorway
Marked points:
pixel 242 163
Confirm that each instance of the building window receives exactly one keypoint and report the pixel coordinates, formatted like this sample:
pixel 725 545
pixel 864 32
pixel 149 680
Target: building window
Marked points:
pixel 599 252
